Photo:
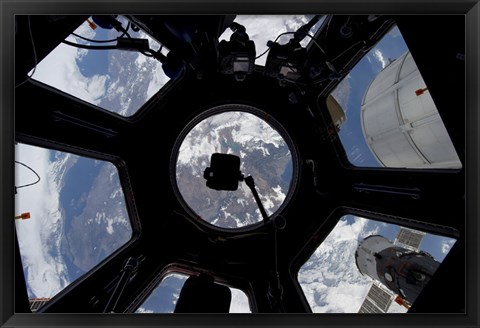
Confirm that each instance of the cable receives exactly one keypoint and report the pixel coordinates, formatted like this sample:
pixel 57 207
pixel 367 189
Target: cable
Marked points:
pixel 263 53
pixel 29 184
pixel 148 53
pixel 304 29
pixel 317 44
pixel 268 48
pixel 275 250
pixel 285 33
pixel 104 41
pixel 34 55
pixel 92 40
pixel 284 78
pixel 275 290
pixel 95 41
pixel 84 46
pixel 346 50
pixel 327 29
pixel 125 32
pixel 293 68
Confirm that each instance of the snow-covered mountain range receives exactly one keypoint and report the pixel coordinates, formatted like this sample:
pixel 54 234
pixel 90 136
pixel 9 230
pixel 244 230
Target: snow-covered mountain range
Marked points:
pixel 263 153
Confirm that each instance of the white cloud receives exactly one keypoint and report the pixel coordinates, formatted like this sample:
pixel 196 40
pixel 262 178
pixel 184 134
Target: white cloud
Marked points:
pixel 86 31
pixel 396 308
pixel 143 310
pixel 239 303
pixel 158 80
pixel 250 131
pixel 279 195
pixel 60 70
pixel 39 237
pixel 447 244
pixel 342 93
pixel 330 279
pixel 110 226
pixel 344 298
pixel 379 56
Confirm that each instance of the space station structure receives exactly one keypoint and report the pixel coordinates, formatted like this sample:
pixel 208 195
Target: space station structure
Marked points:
pixel 400 122
pixel 401 270
pixel 37 303
pixel 336 112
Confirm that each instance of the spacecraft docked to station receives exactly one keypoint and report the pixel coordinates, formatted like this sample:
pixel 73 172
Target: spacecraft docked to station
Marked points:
pixel 399 267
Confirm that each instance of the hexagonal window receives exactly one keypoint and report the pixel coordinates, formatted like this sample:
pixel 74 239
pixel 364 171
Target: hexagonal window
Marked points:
pixel 71 215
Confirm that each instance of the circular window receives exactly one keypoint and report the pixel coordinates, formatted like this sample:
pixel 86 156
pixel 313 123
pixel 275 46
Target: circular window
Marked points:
pixel 266 153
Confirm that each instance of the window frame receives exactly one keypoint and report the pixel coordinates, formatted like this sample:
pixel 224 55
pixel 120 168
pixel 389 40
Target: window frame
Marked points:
pixel 244 108
pixel 140 112
pixel 125 184
pixel 342 156
pixel 180 269
pixel 334 218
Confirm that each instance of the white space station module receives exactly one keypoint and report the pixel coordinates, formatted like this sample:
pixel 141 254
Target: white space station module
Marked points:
pixel 403 271
pixel 400 122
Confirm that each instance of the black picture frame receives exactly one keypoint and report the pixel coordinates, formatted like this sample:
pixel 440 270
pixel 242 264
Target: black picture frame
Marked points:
pixel 9 9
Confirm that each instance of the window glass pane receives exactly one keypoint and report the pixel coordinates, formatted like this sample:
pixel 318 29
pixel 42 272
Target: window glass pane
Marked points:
pixel 78 216
pixel 116 80
pixel 164 298
pixel 391 119
pixel 264 28
pixel 264 155
pixel 331 279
